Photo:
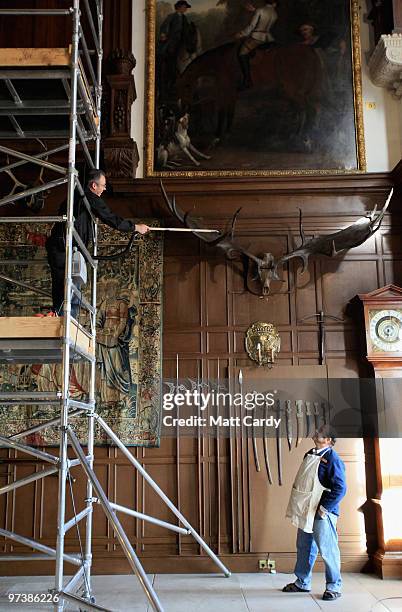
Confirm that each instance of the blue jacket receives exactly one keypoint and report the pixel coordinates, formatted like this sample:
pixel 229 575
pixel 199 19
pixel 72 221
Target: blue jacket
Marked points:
pixel 331 474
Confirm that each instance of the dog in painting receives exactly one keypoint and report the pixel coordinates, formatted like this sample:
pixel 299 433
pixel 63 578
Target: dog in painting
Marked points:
pixel 179 144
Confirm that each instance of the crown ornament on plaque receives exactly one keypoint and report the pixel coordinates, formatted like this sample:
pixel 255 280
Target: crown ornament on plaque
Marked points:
pixel 263 342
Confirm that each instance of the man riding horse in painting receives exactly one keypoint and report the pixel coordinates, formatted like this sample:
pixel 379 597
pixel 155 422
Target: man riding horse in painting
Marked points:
pixel 257 33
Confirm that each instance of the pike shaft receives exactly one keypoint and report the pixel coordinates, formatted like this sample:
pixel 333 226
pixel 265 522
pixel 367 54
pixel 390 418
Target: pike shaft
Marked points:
pixel 183 229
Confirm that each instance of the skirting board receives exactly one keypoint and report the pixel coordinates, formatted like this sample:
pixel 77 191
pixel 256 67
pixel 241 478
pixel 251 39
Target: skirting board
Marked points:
pixel 192 564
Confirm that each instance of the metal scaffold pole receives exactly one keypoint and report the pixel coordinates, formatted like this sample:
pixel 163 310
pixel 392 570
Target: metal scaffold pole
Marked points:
pixel 64 421
pixel 79 69
pixel 91 420
pixel 82 109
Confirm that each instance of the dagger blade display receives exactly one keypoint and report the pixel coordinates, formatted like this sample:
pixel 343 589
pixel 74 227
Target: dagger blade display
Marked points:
pixel 279 442
pixel 299 421
pixel 255 449
pixel 289 429
pixel 265 442
pixel 326 413
pixel 316 413
pixel 308 418
pixel 177 372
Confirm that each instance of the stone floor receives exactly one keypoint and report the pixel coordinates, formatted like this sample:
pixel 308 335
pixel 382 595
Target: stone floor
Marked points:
pixel 215 593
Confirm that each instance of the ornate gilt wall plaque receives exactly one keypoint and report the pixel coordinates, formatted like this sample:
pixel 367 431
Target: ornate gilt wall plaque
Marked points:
pixel 263 342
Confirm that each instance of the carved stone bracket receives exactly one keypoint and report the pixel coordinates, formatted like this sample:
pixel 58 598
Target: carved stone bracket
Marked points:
pixel 385 64
pixel 120 151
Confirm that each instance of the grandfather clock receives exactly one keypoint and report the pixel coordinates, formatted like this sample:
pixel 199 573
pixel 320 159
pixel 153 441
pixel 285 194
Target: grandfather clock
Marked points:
pixel 383 324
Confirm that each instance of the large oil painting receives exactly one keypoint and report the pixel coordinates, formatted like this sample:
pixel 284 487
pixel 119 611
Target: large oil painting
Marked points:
pixel 253 87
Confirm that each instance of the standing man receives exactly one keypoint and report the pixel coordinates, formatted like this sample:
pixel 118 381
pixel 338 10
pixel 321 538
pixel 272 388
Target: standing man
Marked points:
pixel 56 244
pixel 171 38
pixel 314 508
pixel 257 33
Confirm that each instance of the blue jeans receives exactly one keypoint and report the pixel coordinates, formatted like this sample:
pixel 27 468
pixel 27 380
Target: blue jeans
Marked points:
pixel 324 540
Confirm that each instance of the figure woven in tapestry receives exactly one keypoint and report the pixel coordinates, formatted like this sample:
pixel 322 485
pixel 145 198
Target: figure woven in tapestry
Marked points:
pixel 128 337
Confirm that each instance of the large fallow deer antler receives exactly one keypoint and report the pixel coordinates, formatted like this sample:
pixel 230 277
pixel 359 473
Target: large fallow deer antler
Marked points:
pixel 225 242
pixel 266 266
pixel 332 244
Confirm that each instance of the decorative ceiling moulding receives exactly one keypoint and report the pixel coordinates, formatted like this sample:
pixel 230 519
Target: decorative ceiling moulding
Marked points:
pixel 385 64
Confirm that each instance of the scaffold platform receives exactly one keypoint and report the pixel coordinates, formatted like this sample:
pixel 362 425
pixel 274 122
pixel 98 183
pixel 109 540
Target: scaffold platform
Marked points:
pixel 35 95
pixel 40 340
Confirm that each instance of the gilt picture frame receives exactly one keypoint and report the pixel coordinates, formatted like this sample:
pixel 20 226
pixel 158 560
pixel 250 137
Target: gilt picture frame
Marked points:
pixel 299 112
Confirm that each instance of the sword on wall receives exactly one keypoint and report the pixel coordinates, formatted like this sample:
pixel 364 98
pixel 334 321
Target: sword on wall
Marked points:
pixel 299 421
pixel 265 442
pixel 255 449
pixel 241 472
pixel 316 415
pixel 308 419
pixel 289 429
pixel 326 413
pixel 278 441
pixel 320 317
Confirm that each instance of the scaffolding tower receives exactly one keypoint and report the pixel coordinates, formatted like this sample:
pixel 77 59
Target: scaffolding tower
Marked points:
pixel 70 110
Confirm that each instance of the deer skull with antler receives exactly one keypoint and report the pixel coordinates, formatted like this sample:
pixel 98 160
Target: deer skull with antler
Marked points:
pixel 267 266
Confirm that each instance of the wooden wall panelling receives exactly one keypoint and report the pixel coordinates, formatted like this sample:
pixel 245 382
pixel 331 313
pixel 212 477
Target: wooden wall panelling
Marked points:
pixel 214 453
pixel 241 477
pixel 117 32
pixel 206 313
pixel 56 31
pixel 5 511
pixel 231 519
pixel 392 251
pixel 337 348
pixel 24 523
pixel 39 32
pixel 269 501
pixel 164 474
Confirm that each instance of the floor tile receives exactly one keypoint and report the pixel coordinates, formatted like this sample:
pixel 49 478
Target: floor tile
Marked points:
pixel 255 592
pixel 200 592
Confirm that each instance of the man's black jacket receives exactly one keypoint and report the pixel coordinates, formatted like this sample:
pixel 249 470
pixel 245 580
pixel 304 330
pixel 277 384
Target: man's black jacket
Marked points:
pixel 83 222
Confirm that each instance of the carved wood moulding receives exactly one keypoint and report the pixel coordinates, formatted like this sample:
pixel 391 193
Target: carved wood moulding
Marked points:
pixel 385 64
pixel 120 151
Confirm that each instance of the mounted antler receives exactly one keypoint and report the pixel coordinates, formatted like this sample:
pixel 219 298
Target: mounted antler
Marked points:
pixel 348 238
pixel 224 241
pixel 266 266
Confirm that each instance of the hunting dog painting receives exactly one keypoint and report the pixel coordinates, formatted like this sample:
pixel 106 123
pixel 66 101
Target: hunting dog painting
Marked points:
pixel 265 86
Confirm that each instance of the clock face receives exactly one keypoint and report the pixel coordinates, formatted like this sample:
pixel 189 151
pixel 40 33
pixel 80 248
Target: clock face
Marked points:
pixel 386 330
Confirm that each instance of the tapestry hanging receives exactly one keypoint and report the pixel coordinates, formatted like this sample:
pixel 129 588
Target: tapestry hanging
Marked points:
pixel 128 330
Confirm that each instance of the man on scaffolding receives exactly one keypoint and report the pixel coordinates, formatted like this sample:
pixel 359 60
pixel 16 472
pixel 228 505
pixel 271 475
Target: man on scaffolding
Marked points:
pixel 56 244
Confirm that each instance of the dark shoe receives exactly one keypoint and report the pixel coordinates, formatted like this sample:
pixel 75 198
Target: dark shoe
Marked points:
pixel 293 588
pixel 331 595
